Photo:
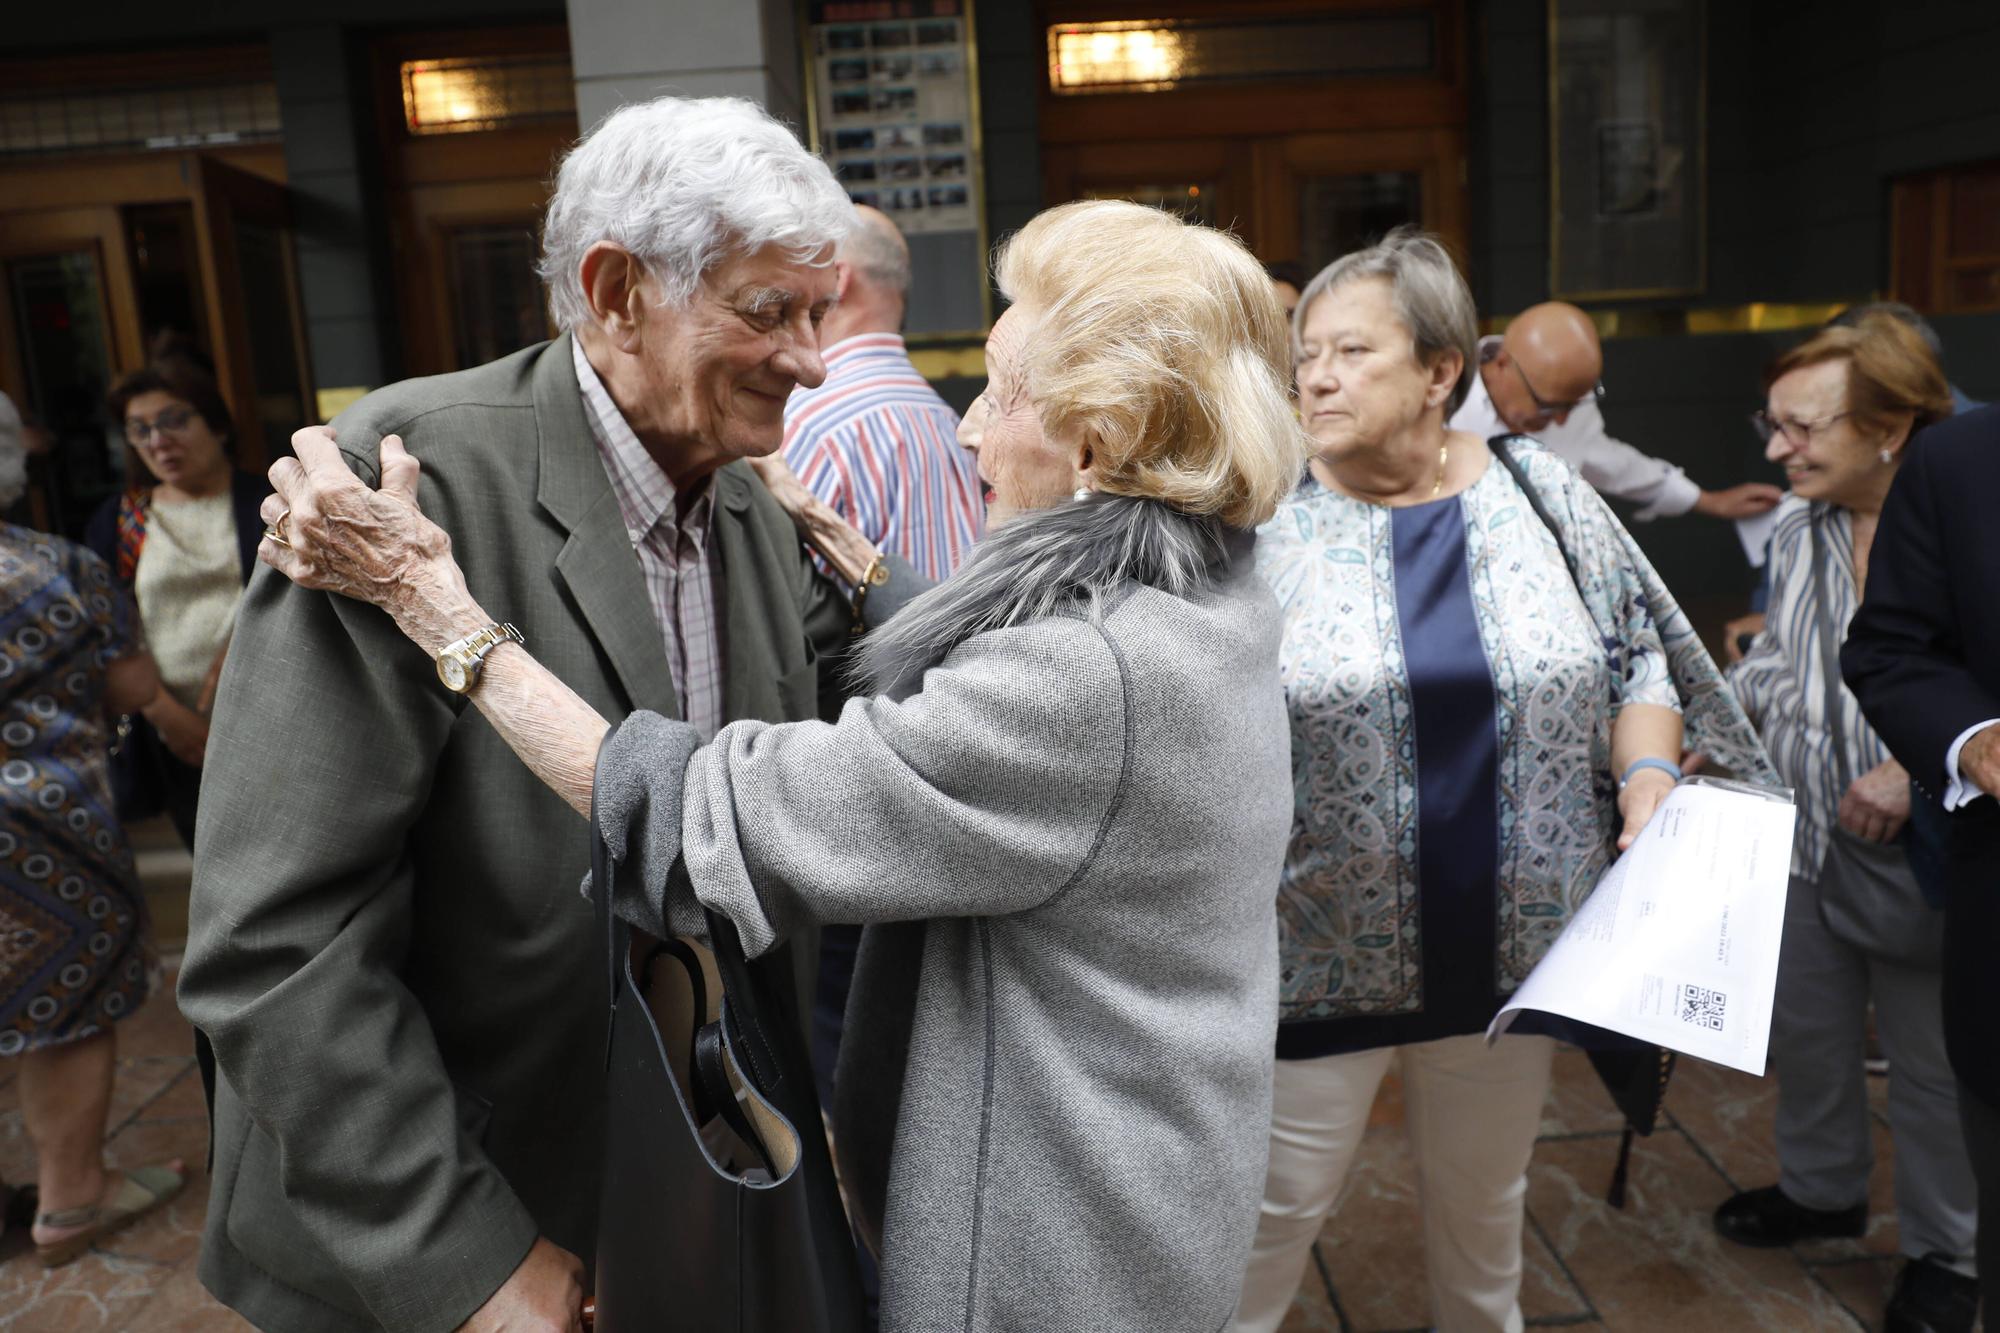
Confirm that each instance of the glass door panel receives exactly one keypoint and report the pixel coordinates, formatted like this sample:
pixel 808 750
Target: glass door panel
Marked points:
pixel 57 311
pixel 166 273
pixel 270 319
pixel 243 231
pixel 1338 214
pixel 1190 202
pixel 496 304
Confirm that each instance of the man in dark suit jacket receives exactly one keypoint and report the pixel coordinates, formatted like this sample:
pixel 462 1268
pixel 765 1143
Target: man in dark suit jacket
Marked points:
pixel 1923 657
pixel 387 949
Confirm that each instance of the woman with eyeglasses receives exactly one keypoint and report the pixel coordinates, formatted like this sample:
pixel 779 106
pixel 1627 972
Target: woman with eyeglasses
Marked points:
pixel 1477 727
pixel 1840 410
pixel 183 538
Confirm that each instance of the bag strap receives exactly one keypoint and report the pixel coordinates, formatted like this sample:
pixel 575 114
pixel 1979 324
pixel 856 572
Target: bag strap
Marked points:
pixel 1829 647
pixel 1502 447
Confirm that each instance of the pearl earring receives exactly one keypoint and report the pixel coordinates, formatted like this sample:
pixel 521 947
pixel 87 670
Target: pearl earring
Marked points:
pixel 1082 493
pixel 1888 457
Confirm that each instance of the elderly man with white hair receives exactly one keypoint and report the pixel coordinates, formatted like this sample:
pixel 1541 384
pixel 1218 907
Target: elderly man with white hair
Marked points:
pixel 385 942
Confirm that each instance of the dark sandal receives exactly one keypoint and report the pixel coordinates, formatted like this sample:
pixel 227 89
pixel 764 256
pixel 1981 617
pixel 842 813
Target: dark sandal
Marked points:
pixel 141 1191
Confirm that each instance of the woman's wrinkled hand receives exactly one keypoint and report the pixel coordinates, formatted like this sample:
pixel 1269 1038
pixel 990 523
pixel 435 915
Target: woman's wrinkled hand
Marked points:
pixel 844 548
pixel 1637 801
pixel 328 531
pixel 1877 803
pixel 784 486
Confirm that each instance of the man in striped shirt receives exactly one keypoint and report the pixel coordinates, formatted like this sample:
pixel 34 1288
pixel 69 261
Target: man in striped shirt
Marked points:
pixel 878 444
pixel 875 441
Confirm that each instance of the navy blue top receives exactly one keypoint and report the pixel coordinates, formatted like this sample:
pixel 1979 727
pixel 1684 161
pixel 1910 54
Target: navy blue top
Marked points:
pixel 1457 727
pixel 1458 795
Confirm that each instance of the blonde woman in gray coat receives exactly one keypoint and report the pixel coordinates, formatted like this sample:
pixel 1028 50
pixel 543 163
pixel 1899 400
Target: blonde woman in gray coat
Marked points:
pixel 1072 782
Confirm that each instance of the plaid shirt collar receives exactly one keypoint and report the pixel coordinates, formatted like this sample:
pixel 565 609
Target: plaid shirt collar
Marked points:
pixel 645 495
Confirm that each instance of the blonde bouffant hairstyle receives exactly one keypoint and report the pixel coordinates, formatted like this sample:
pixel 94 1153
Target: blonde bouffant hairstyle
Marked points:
pixel 1161 345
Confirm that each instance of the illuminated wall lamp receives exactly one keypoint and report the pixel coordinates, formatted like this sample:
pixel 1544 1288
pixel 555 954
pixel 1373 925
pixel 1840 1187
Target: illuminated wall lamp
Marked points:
pixel 1113 56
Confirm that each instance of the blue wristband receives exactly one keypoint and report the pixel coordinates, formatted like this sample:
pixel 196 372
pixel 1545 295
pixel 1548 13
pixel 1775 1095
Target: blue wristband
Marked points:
pixel 1666 766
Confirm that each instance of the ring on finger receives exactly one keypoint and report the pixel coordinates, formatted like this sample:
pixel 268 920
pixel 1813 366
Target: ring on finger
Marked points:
pixel 275 530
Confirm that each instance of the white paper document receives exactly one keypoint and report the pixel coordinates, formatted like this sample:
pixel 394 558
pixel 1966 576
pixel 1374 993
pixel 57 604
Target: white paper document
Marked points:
pixel 1678 945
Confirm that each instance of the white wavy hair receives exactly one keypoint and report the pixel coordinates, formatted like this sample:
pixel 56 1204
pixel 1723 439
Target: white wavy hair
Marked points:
pixel 680 183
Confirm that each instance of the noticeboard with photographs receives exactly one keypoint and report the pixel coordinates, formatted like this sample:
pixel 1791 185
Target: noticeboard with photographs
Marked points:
pixel 894 113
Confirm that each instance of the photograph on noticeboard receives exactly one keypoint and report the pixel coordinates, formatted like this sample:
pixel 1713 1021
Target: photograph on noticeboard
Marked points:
pixel 894 103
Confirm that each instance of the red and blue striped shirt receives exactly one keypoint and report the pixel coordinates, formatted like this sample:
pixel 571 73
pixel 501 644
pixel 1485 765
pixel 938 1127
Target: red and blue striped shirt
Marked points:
pixel 878 444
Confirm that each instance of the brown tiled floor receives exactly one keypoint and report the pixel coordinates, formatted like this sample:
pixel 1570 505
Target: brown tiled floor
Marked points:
pixel 1656 1265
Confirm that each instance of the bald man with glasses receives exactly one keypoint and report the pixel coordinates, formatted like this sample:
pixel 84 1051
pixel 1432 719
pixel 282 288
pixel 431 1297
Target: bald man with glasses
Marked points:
pixel 1541 379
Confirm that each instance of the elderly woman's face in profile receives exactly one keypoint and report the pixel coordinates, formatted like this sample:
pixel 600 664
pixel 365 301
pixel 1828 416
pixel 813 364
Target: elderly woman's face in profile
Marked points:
pixel 1021 467
pixel 1360 382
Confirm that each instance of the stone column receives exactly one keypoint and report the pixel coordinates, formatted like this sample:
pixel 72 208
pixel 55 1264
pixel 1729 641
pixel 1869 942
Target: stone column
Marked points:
pixel 631 50
pixel 332 167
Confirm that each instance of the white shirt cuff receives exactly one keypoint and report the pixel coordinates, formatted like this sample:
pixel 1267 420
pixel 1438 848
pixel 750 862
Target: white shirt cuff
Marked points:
pixel 1673 496
pixel 1958 788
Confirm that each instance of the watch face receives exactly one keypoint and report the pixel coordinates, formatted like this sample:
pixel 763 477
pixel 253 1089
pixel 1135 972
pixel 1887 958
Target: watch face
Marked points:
pixel 452 672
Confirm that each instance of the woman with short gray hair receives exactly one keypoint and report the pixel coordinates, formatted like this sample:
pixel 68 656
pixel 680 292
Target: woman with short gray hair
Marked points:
pixel 1475 726
pixel 1060 813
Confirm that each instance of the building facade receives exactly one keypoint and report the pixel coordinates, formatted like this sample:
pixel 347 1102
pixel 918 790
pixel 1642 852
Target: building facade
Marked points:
pixel 327 196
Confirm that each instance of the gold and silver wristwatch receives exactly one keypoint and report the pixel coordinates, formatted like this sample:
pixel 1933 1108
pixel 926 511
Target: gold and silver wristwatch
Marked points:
pixel 458 664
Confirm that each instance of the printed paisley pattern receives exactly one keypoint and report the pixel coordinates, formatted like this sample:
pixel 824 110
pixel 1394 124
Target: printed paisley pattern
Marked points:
pixel 72 918
pixel 1348 916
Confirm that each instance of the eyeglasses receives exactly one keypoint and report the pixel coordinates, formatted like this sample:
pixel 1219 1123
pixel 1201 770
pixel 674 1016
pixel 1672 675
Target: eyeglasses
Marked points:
pixel 1555 409
pixel 171 421
pixel 1798 434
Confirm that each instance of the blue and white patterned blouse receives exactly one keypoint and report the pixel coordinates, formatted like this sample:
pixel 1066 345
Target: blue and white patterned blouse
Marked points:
pixel 1452 698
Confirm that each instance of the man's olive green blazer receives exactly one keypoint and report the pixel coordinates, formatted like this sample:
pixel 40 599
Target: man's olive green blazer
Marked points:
pixel 387 949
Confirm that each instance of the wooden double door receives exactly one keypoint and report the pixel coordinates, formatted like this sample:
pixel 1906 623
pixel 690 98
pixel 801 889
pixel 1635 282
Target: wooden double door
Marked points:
pixel 103 257
pixel 1309 197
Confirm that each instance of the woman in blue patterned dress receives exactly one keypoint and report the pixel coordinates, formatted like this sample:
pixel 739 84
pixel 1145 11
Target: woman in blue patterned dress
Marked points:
pixel 1473 730
pixel 73 954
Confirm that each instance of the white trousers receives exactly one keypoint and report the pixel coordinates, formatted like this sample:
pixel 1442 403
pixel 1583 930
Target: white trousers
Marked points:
pixel 1472 1114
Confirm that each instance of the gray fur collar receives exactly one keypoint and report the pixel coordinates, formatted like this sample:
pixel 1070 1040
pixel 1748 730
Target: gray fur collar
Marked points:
pixel 1066 558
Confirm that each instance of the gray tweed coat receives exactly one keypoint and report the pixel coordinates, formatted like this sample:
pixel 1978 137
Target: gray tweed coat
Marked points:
pixel 1055 1094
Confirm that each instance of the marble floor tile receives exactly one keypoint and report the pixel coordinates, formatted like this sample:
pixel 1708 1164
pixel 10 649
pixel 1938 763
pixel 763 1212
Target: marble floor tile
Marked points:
pixel 1658 1264
pixel 99 1293
pixel 182 1099
pixel 1312 1310
pixel 1578 1103
pixel 1860 1285
pixel 1732 1115
pixel 1547 1294
pixel 17 1154
pixel 182 1305
pixel 157 1031
pixel 1373 1244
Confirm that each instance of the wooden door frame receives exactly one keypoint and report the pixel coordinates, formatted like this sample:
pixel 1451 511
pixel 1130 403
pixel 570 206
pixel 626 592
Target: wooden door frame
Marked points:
pixel 1148 162
pixel 99 232
pixel 437 182
pixel 1432 153
pixel 223 195
pixel 83 199
pixel 1245 110
pixel 430 214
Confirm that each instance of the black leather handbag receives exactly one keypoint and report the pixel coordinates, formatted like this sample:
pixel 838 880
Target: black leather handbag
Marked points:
pixel 719 1208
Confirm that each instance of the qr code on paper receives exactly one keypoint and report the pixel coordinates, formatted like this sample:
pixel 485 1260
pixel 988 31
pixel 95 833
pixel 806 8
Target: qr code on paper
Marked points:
pixel 1703 1008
